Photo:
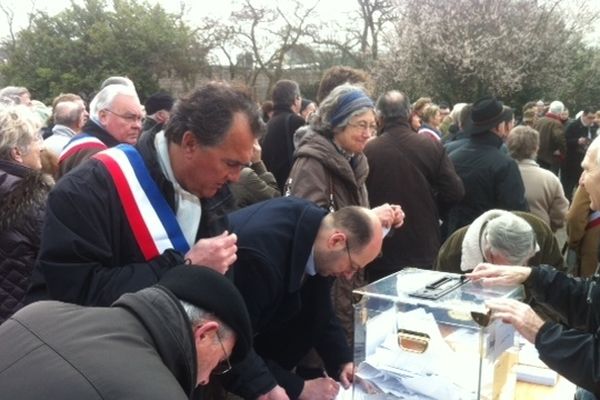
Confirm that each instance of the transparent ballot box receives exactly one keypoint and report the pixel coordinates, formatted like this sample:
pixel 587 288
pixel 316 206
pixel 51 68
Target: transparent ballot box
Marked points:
pixel 423 334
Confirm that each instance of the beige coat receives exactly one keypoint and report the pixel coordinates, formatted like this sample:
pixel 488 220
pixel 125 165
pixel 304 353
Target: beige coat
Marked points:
pixel 544 194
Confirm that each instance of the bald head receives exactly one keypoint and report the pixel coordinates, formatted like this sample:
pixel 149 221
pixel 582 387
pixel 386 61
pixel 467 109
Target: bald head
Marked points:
pixel 68 113
pixel 393 106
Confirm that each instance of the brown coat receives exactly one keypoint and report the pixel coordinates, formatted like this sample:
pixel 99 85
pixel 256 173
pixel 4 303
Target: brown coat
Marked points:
pixel 585 242
pixel 552 138
pixel 415 172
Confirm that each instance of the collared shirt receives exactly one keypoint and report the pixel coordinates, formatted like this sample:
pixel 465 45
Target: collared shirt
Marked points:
pixel 188 208
pixel 311 268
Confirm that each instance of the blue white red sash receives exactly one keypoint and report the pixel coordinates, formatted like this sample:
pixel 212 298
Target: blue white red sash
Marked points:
pixel 152 221
pixel 80 142
pixel 593 220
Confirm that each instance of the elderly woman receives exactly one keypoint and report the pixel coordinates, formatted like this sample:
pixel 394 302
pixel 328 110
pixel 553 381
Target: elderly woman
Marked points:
pixel 330 169
pixel 543 191
pixel 23 192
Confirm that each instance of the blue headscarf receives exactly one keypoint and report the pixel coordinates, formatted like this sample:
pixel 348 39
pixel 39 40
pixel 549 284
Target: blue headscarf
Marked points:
pixel 349 103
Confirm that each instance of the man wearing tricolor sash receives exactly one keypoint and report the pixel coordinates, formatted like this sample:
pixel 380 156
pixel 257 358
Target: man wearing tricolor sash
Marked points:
pixel 121 220
pixel 115 117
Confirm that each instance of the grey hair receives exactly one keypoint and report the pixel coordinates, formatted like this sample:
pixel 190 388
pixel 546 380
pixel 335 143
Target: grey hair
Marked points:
pixel 556 107
pixel 68 113
pixel 510 236
pixel 106 96
pixel 14 93
pixel 19 127
pixel 117 80
pixel 321 121
pixel 198 316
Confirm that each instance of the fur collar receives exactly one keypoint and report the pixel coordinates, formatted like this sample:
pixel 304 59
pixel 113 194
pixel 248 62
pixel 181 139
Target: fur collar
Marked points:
pixel 21 198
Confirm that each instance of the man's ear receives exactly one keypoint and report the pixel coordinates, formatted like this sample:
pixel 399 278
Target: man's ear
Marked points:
pixel 204 331
pixel 189 143
pixel 336 240
pixel 16 154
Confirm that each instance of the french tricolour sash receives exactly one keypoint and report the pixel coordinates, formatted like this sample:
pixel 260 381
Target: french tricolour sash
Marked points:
pixel 152 221
pixel 80 142
pixel 593 219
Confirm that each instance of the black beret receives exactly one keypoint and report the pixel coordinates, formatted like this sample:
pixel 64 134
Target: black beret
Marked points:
pixel 159 101
pixel 214 293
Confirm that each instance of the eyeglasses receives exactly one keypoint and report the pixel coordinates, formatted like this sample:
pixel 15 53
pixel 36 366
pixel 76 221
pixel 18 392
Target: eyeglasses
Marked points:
pixel 224 366
pixel 354 266
pixel 363 126
pixel 132 118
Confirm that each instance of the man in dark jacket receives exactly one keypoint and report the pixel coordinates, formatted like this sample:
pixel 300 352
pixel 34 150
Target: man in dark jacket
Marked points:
pixel 290 250
pixel 491 178
pixel 402 159
pixel 115 117
pixel 125 217
pixel 158 343
pixel 572 349
pixel 278 144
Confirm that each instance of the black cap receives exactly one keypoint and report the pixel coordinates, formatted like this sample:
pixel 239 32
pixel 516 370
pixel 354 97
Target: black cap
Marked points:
pixel 213 292
pixel 159 101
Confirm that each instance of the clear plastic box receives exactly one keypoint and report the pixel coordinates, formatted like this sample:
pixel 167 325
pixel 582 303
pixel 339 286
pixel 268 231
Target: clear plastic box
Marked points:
pixel 423 334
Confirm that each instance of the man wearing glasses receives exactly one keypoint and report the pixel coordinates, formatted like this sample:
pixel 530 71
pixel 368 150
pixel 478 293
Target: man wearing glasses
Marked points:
pixel 290 251
pixel 125 217
pixel 158 343
pixel 115 117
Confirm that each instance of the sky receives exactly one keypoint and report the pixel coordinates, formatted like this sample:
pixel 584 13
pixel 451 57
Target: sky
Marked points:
pixel 196 9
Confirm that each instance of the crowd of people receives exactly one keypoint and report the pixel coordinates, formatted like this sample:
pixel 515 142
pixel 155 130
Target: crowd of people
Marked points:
pixel 207 246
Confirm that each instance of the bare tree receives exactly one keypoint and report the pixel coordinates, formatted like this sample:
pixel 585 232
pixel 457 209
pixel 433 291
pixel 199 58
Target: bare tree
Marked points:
pixel 9 15
pixel 269 34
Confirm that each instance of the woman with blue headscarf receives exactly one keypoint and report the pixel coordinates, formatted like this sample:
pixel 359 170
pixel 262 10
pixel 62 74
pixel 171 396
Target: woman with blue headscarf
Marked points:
pixel 330 169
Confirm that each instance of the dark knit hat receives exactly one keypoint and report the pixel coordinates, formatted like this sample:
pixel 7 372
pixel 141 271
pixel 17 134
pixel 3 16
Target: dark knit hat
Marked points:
pixel 486 114
pixel 213 292
pixel 159 101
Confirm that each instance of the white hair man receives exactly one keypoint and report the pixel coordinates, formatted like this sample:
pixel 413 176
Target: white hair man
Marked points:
pixel 572 349
pixel 552 138
pixel 115 117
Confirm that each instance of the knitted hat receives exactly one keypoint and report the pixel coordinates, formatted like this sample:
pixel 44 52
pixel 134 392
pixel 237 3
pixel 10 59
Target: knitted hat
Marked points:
pixel 213 292
pixel 159 101
pixel 348 103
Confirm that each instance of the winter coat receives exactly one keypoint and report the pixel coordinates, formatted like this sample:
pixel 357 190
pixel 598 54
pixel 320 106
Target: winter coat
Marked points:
pixel 278 143
pixel 23 194
pixel 141 348
pixel 75 159
pixel 571 349
pixel 583 237
pixel 491 179
pixel 89 254
pixel 324 176
pixel 552 138
pixel 544 194
pixel 255 184
pixel 415 172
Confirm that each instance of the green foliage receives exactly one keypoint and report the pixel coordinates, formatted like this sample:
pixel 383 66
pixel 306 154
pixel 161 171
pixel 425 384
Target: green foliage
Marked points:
pixel 77 49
